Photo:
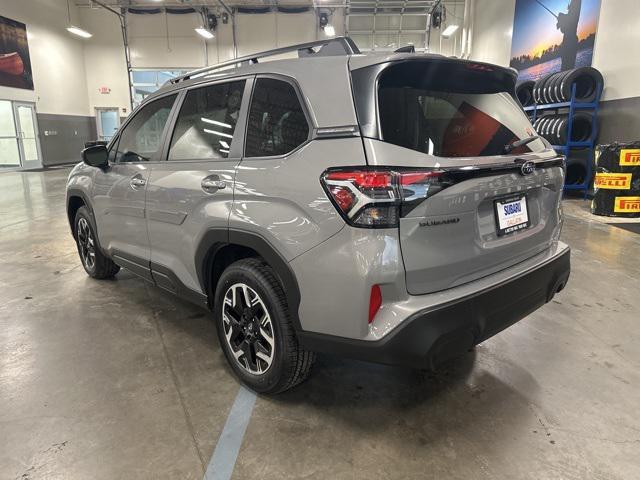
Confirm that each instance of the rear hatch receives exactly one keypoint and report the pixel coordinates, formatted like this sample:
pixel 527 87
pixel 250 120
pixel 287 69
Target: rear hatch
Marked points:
pixel 485 208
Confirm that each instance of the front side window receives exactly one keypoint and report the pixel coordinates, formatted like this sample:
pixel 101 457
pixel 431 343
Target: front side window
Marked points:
pixel 277 124
pixel 450 110
pixel 141 139
pixel 207 122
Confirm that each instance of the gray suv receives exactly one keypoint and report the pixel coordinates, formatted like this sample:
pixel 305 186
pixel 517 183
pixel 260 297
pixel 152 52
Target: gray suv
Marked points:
pixel 395 208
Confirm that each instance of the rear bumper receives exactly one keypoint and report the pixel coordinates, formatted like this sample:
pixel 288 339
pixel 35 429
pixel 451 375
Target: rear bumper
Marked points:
pixel 435 334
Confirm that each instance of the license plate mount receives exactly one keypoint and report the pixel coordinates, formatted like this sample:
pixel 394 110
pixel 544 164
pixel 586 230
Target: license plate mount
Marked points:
pixel 512 214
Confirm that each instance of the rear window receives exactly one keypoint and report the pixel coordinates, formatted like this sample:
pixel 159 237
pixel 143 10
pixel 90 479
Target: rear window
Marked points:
pixel 451 109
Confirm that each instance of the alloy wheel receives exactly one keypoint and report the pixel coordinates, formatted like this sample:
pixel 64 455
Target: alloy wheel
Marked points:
pixel 86 244
pixel 248 329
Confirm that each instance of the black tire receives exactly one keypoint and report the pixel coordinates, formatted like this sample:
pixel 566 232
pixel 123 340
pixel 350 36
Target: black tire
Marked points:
pixel 586 80
pixel 536 124
pixel 554 129
pixel 547 126
pixel 543 125
pixel 577 167
pixel 537 89
pixel 581 129
pixel 290 364
pixel 549 88
pixel 94 261
pixel 556 93
pixel 524 92
pixel 546 91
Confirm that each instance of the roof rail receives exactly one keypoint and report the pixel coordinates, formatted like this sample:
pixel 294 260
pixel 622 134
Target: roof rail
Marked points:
pixel 328 47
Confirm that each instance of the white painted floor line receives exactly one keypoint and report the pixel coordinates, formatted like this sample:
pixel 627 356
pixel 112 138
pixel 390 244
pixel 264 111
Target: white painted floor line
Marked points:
pixel 224 456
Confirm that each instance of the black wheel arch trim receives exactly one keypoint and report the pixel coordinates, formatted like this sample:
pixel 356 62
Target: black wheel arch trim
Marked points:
pixel 216 239
pixel 76 192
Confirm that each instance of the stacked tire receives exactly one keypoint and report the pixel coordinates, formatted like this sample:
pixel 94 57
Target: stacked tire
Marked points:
pixel 524 92
pixel 557 87
pixel 577 166
pixel 617 180
pixel 555 127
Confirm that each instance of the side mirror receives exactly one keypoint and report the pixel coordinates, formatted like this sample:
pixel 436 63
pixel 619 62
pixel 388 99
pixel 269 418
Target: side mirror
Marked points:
pixel 96 156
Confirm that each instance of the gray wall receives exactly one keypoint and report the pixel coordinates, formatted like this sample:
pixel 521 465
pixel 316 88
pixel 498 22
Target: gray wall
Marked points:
pixel 619 120
pixel 62 137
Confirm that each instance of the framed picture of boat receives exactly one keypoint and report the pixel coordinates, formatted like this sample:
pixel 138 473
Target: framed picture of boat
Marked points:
pixel 15 63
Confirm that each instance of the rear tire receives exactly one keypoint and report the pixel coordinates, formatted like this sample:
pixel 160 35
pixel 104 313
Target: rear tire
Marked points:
pixel 255 330
pixel 95 263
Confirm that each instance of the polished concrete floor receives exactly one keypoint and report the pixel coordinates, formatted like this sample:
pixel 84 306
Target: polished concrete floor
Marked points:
pixel 116 379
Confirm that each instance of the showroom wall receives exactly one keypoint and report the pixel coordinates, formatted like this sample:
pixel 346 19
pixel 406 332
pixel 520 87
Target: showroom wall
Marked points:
pixel 615 55
pixel 70 72
pixel 60 84
pixel 169 41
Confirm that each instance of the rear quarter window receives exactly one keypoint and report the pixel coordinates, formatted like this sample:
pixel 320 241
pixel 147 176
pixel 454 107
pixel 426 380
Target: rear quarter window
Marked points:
pixel 277 124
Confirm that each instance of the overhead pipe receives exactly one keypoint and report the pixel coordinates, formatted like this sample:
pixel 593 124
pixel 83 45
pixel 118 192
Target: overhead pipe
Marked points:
pixel 125 41
pixel 233 26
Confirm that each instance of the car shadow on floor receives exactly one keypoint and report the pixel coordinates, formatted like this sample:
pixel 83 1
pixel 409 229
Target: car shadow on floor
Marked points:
pixel 366 396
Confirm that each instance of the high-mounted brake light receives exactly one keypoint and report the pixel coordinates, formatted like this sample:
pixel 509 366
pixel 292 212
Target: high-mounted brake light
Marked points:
pixel 378 197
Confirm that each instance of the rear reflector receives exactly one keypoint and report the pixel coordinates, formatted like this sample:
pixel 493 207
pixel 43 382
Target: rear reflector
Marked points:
pixel 375 302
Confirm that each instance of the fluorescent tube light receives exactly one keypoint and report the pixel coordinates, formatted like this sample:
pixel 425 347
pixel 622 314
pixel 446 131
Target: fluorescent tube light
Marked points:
pixel 78 31
pixel 215 122
pixel 214 132
pixel 203 32
pixel 450 30
pixel 329 31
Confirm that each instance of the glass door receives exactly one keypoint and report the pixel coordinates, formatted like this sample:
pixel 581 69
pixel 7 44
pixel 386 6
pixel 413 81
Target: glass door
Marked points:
pixel 107 121
pixel 25 114
pixel 9 147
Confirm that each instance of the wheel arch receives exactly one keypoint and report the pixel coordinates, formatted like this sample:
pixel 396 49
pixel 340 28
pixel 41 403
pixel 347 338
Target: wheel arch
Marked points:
pixel 76 199
pixel 219 248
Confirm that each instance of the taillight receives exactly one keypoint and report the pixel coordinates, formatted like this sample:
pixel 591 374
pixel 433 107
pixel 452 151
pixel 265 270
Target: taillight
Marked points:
pixel 377 197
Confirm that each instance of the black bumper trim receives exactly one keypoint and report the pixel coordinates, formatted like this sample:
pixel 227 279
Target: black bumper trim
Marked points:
pixel 430 337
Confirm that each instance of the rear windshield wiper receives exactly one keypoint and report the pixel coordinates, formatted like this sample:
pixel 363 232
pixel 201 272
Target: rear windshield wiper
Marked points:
pixel 519 143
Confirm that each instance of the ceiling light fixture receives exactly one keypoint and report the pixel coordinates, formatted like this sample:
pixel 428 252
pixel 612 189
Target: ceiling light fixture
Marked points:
pixel 329 31
pixel 450 30
pixel 78 31
pixel 73 29
pixel 203 32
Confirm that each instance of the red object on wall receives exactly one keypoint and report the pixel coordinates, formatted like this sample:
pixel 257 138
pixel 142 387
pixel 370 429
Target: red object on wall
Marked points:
pixel 11 63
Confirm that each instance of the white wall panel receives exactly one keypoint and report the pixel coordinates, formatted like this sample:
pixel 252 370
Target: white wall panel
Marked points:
pixel 104 59
pixel 57 58
pixel 617 48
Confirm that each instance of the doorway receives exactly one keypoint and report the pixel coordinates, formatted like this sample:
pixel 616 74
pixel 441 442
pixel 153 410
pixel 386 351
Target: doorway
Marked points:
pixel 107 123
pixel 19 142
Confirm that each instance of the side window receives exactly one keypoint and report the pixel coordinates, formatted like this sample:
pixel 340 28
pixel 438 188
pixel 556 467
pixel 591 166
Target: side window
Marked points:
pixel 141 139
pixel 206 122
pixel 277 123
pixel 113 150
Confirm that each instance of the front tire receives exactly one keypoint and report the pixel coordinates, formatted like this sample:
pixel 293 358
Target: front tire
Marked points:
pixel 95 263
pixel 255 330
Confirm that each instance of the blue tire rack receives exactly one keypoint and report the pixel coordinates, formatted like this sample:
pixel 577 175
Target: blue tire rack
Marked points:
pixel 565 149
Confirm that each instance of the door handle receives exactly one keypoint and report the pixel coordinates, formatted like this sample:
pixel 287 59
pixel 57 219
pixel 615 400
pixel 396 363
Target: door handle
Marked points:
pixel 212 184
pixel 137 182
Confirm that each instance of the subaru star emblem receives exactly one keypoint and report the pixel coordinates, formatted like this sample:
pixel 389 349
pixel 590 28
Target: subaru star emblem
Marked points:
pixel 528 168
